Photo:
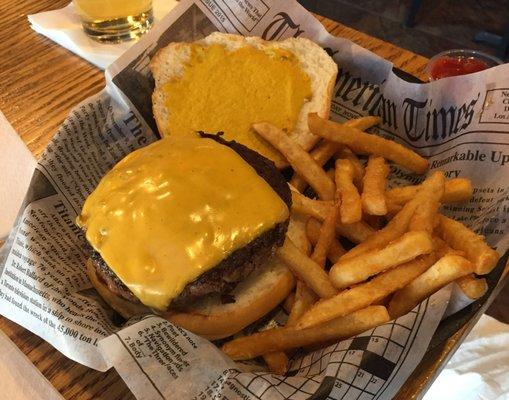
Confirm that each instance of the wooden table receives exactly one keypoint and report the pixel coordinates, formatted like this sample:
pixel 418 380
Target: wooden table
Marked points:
pixel 40 82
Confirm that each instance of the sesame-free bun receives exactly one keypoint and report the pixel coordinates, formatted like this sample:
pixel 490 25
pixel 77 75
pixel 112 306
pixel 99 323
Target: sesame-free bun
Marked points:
pixel 168 64
pixel 254 297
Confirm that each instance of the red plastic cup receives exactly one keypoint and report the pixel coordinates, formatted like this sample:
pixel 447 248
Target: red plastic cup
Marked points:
pixel 459 62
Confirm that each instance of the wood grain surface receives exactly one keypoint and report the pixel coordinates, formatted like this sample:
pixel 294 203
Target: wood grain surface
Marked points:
pixel 40 83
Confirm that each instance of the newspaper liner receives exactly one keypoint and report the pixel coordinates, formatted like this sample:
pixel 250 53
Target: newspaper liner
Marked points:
pixel 460 123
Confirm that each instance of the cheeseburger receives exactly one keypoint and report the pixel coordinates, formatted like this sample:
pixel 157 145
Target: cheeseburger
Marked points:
pixel 187 227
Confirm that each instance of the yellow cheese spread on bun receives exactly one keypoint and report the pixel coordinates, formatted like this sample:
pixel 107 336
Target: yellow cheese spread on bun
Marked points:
pixel 227 82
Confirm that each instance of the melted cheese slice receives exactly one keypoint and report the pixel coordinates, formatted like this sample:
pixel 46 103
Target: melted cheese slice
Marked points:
pixel 167 213
pixel 237 88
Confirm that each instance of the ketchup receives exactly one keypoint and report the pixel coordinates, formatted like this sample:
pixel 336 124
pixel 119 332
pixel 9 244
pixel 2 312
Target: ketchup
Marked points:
pixel 453 66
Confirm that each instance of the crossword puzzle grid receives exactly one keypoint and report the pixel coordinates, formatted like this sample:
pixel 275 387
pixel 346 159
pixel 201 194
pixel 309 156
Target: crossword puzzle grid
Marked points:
pixel 365 364
pixel 362 366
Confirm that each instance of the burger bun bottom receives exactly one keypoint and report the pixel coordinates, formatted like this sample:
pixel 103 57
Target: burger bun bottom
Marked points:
pixel 254 297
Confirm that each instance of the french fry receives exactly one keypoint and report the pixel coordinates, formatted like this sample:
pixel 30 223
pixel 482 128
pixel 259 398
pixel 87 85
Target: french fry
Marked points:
pixel 373 186
pixel 347 193
pixel 304 299
pixel 357 269
pixel 442 248
pixel 455 190
pixel 289 302
pixel 444 271
pixel 395 228
pixel 326 149
pixel 279 339
pixel 425 215
pixel 321 154
pixel 297 233
pixel 325 237
pixel 336 250
pixel 277 362
pixel 304 296
pixel 365 143
pixel 459 237
pixel 399 223
pixel 318 209
pixel 356 232
pixel 306 269
pixel 358 167
pixel 365 294
pixel 474 288
pixel 299 159
pixel 363 123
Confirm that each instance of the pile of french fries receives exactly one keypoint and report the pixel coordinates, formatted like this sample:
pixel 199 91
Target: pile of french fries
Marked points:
pixel 403 250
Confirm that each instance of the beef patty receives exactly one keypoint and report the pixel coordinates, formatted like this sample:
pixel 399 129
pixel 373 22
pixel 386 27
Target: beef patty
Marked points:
pixel 224 277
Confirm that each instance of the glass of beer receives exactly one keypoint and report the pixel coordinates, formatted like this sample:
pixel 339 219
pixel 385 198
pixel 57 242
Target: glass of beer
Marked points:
pixel 113 21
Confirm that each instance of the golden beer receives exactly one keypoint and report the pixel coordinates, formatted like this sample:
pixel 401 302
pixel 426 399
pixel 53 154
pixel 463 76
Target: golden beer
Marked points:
pixel 115 20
